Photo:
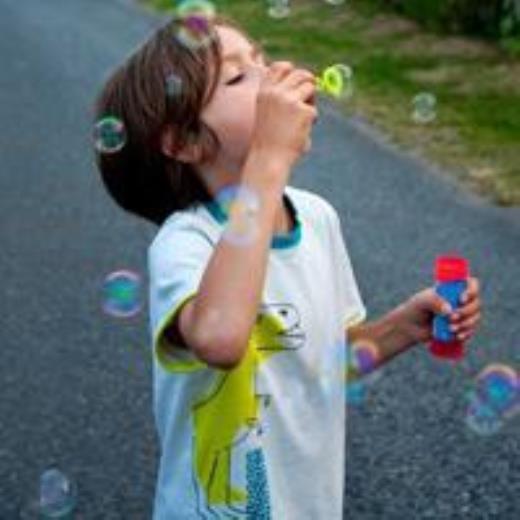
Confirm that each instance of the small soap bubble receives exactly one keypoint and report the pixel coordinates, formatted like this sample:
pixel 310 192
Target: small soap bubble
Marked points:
pixel 361 370
pixel 58 494
pixel 109 135
pixel 173 85
pixel 195 17
pixel 498 386
pixel 337 81
pixel 121 294
pixel 241 205
pixel 494 398
pixel 424 107
pixel 364 357
pixel 279 9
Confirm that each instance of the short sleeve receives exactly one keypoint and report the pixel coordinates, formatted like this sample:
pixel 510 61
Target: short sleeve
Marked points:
pixel 177 260
pixel 354 309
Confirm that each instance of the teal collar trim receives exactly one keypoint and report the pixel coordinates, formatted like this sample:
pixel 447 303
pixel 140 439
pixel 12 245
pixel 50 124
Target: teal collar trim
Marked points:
pixel 281 241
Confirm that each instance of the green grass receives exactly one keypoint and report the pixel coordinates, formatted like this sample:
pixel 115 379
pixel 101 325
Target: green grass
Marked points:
pixel 476 135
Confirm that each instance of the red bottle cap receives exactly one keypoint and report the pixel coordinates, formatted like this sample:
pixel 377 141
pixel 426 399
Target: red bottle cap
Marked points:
pixel 450 267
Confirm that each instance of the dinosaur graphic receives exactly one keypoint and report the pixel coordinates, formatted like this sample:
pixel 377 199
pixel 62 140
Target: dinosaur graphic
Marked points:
pixel 230 415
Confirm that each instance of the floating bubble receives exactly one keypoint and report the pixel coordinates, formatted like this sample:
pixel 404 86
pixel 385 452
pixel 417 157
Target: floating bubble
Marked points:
pixel 335 2
pixel 109 135
pixel 57 494
pixel 337 81
pixel 424 106
pixel 279 9
pixel 363 358
pixel 494 398
pixel 499 387
pixel 195 17
pixel 173 85
pixel 121 294
pixel 241 205
pixel 361 370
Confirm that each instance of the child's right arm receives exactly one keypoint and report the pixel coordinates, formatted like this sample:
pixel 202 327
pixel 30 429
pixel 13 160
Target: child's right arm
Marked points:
pixel 216 324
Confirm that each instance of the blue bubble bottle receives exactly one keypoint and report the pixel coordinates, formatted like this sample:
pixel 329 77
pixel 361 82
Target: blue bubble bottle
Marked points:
pixel 451 273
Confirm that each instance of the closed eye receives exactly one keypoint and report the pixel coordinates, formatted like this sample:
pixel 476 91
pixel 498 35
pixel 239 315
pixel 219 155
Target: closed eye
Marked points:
pixel 235 80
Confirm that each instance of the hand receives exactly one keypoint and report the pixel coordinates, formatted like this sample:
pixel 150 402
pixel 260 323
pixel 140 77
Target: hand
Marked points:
pixel 285 112
pixel 417 313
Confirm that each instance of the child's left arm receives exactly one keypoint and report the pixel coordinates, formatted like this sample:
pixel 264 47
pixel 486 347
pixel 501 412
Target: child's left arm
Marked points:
pixel 411 322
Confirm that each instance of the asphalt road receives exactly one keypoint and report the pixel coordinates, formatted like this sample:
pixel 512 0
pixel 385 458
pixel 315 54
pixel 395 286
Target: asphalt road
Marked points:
pixel 76 383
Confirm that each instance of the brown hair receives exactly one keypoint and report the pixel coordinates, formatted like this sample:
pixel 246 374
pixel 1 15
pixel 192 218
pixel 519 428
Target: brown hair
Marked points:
pixel 140 177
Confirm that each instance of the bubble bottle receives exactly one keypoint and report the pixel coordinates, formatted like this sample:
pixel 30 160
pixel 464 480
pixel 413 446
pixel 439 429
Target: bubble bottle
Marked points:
pixel 451 273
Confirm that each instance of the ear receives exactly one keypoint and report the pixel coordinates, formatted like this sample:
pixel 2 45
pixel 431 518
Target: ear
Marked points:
pixel 190 153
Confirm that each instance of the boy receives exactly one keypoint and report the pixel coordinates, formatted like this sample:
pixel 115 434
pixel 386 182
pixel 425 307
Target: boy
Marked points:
pixel 245 333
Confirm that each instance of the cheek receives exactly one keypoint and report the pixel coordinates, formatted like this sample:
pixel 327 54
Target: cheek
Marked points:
pixel 234 119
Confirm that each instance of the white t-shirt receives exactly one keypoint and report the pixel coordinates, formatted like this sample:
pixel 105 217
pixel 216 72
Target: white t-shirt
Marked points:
pixel 266 439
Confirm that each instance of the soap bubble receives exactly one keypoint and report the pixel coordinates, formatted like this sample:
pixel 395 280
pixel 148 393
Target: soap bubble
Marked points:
pixel 121 294
pixel 173 85
pixel 195 18
pixel 337 81
pixel 240 205
pixel 57 494
pixel 278 8
pixel 56 497
pixel 361 370
pixel 109 135
pixel 335 2
pixel 494 398
pixel 424 105
pixel 363 359
pixel 499 387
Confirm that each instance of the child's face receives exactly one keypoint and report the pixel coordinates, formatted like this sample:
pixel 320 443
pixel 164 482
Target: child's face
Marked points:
pixel 231 111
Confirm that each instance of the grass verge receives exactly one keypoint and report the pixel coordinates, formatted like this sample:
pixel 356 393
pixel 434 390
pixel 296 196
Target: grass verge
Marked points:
pixel 476 134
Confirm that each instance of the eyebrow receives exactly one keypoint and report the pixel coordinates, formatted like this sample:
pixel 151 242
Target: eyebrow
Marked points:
pixel 256 49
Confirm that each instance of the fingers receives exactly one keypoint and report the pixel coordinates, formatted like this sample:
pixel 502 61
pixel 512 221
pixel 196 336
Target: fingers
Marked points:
pixel 466 311
pixel 465 320
pixel 472 303
pixel 300 83
pixel 467 326
pixel 472 290
pixel 278 70
pixel 297 77
pixel 465 334
pixel 304 92
pixel 286 76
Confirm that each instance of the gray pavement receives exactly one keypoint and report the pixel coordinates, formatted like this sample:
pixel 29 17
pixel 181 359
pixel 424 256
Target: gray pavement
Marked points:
pixel 76 384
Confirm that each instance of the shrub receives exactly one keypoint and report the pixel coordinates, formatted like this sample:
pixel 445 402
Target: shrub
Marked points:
pixel 489 18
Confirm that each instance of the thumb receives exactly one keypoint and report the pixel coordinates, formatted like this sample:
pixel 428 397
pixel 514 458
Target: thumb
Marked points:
pixel 429 300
